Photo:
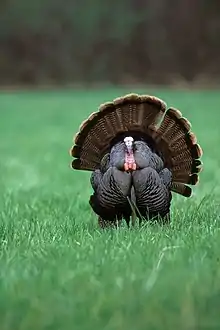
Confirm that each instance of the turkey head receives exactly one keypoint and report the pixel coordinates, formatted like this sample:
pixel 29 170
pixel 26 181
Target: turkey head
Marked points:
pixel 129 164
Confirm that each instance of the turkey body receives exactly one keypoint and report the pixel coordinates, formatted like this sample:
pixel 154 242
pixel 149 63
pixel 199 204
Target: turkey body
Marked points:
pixel 139 149
pixel 113 187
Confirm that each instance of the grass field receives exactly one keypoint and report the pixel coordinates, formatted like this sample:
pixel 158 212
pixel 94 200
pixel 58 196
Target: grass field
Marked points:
pixel 58 270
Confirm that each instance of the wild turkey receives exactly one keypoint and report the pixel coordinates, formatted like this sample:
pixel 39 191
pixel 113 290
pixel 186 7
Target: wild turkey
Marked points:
pixel 138 154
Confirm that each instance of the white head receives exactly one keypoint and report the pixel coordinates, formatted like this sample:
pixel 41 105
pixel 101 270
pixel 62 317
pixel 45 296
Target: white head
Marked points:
pixel 129 141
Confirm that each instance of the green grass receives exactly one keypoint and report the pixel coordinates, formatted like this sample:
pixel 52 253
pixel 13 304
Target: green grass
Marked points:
pixel 58 270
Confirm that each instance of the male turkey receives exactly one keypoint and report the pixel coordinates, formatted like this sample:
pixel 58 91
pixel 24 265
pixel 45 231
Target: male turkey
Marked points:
pixel 138 154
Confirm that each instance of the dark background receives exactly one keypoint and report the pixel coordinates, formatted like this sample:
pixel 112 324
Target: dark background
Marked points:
pixel 88 42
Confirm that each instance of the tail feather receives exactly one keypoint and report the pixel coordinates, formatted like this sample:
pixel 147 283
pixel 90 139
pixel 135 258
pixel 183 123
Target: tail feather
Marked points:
pixel 181 189
pixel 191 179
pixel 188 167
pixel 190 138
pixel 83 164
